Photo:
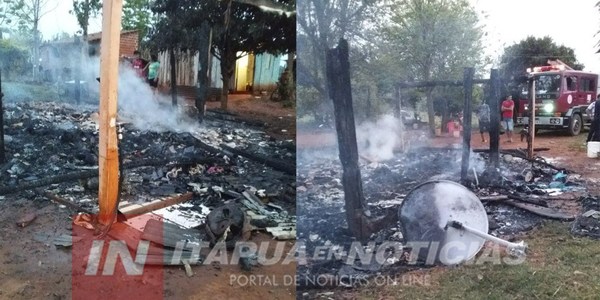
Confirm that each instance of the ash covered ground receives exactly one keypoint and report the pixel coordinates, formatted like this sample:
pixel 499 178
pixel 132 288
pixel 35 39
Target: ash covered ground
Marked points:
pixel 49 141
pixel 320 200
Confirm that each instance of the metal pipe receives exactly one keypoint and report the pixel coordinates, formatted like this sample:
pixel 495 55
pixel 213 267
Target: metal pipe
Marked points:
pixel 515 248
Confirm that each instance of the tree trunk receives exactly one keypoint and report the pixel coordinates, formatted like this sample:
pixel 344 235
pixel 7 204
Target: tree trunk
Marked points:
pixel 227 70
pixel 430 111
pixel 204 72
pixel 173 62
pixel 36 46
pixel 445 115
pixel 225 90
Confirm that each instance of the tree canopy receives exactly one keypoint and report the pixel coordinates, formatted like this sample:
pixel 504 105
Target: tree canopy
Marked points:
pixel 84 10
pixel 137 15
pixel 433 40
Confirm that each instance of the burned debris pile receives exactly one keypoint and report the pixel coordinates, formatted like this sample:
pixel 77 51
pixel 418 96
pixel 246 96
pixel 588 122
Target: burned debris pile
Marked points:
pixel 520 196
pixel 588 223
pixel 52 147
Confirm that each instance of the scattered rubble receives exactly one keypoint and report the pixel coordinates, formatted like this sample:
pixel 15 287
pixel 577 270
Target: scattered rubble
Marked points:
pixel 53 154
pixel 588 224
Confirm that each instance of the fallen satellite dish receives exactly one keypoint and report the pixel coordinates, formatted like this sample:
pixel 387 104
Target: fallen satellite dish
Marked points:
pixel 444 222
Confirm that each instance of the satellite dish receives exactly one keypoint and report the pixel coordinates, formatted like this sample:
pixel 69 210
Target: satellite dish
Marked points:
pixel 426 213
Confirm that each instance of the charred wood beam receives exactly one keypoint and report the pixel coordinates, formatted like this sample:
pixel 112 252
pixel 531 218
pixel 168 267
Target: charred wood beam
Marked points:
pixel 275 164
pixel 435 83
pixel 221 112
pixel 506 151
pixel 340 91
pixel 494 118
pixel 4 190
pixel 467 116
pixel 62 201
pixel 541 211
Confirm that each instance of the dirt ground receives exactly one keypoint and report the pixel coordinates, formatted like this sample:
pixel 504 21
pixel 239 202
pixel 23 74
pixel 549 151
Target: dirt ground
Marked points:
pixel 30 269
pixel 34 270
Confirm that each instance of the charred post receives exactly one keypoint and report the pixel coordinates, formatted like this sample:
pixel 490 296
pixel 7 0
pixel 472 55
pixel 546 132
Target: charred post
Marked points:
pixel 2 154
pixel 494 118
pixel 401 118
pixel 77 78
pixel 467 116
pixel 531 135
pixel 338 77
pixel 173 62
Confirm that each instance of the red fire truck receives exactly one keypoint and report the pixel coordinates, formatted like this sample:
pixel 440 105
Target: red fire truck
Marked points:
pixel 561 97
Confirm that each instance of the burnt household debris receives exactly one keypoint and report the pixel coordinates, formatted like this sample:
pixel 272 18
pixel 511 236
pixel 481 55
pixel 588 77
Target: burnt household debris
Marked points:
pixel 519 196
pixel 218 182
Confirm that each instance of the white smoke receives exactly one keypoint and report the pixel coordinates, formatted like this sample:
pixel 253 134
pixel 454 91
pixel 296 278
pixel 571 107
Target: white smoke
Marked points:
pixel 138 105
pixel 377 140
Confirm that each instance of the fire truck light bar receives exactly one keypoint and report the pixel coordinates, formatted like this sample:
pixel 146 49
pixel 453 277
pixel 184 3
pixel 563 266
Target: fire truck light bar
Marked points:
pixel 546 68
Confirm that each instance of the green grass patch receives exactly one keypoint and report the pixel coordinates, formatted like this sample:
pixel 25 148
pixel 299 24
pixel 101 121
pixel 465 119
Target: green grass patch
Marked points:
pixel 558 266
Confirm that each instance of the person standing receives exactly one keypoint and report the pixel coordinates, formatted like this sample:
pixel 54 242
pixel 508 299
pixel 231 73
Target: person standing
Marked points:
pixel 483 114
pixel 153 68
pixel 591 111
pixel 139 64
pixel 507 108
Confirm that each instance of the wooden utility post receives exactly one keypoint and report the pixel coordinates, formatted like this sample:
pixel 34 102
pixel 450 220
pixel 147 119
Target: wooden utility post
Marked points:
pixel 338 77
pixel 494 118
pixel 108 152
pixel 531 135
pixel 467 116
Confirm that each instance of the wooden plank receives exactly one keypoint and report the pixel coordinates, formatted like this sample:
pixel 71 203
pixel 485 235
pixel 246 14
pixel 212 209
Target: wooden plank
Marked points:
pixel 156 204
pixel 109 74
